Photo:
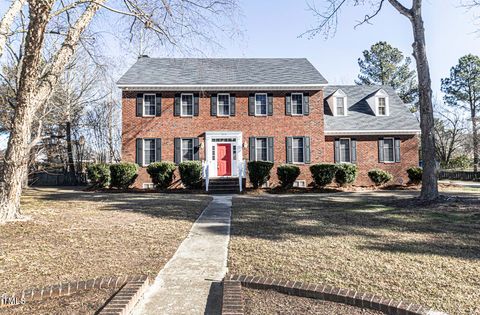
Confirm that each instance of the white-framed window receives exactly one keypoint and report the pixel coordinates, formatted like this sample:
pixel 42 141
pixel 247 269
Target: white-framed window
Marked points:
pixel 187 150
pixel 149 151
pixel 186 104
pixel 382 105
pixel 300 183
pixel 261 149
pixel 345 155
pixel 149 104
pixel 261 100
pixel 297 103
pixel 340 106
pixel 214 152
pixel 148 186
pixel 223 104
pixel 297 150
pixel 389 150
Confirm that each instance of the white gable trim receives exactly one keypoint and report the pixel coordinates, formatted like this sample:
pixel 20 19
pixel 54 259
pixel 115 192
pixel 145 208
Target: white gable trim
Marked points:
pixel 372 132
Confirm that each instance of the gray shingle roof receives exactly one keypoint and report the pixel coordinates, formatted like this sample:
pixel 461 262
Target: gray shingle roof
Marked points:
pixel 361 117
pixel 222 71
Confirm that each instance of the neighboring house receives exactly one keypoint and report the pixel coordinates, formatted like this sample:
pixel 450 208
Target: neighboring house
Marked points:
pixel 227 111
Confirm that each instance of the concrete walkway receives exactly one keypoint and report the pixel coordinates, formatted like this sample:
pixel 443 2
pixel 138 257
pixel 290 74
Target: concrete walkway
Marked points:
pixel 184 284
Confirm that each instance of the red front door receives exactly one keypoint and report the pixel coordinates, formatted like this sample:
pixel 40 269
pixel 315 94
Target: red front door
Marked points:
pixel 224 161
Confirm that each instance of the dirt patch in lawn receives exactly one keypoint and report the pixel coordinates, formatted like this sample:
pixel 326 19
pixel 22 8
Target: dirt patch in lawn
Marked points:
pixel 75 235
pixel 261 302
pixel 378 242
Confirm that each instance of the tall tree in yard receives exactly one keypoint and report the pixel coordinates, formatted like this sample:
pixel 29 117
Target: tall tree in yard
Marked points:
pixel 328 23
pixel 462 90
pixel 171 22
pixel 386 65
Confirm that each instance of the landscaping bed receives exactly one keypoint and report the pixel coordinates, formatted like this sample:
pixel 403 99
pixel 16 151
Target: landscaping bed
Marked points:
pixel 380 242
pixel 76 235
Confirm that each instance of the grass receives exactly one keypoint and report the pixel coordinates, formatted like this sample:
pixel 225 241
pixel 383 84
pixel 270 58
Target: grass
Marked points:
pixel 75 235
pixel 380 242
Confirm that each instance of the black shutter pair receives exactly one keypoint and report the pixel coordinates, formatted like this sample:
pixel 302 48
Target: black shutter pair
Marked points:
pixel 251 104
pixel 213 105
pixel 353 150
pixel 305 108
pixel 139 105
pixel 306 149
pixel 139 151
pixel 178 149
pixel 177 104
pixel 252 148
pixel 396 151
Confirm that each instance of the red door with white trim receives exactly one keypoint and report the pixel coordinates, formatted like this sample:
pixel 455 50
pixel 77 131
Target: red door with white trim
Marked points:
pixel 224 160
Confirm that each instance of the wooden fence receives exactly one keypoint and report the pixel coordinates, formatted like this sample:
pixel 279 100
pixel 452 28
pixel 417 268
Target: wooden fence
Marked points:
pixel 459 175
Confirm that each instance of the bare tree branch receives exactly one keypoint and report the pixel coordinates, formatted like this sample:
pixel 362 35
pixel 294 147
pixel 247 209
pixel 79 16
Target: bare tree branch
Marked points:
pixel 7 21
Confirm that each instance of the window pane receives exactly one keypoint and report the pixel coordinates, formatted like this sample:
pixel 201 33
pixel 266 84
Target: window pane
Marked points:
pixel 187 149
pixel 261 148
pixel 224 105
pixel 388 150
pixel 297 104
pixel 297 146
pixel 340 106
pixel 261 104
pixel 187 104
pixel 149 104
pixel 344 150
pixel 382 105
pixel 148 151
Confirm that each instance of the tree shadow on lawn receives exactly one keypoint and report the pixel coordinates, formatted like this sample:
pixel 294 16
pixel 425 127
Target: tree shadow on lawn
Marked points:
pixel 449 228
pixel 171 206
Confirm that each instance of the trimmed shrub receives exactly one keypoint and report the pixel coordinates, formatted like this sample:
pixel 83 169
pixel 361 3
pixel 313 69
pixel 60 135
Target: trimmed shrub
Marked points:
pixel 379 177
pixel 287 174
pixel 123 174
pixel 415 174
pixel 323 174
pixel 346 173
pixel 191 174
pixel 259 172
pixel 99 175
pixel 161 173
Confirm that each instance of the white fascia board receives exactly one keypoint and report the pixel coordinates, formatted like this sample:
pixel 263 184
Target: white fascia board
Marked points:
pixel 371 132
pixel 197 87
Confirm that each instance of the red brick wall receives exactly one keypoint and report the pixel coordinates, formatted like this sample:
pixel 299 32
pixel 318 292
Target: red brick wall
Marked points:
pixel 367 157
pixel 279 126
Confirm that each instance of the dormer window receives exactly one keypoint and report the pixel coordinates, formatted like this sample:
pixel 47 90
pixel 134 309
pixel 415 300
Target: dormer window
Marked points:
pixel 379 103
pixel 382 106
pixel 338 103
pixel 340 106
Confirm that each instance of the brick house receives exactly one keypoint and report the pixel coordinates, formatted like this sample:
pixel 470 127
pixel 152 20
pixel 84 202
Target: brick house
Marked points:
pixel 224 112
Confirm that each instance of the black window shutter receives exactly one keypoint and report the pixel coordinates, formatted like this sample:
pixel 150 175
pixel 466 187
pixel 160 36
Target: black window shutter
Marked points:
pixel 196 100
pixel 306 104
pixel 196 149
pixel 158 150
pixel 397 150
pixel 232 104
pixel 288 104
pixel 337 151
pixel 271 156
pixel 213 105
pixel 251 104
pixel 177 150
pixel 306 149
pixel 158 104
pixel 380 150
pixel 353 150
pixel 270 104
pixel 139 107
pixel 176 105
pixel 139 152
pixel 251 147
pixel 289 149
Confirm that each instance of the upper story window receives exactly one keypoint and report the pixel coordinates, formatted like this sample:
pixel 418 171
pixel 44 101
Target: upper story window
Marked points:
pixel 148 104
pixel 382 106
pixel 345 156
pixel 297 150
pixel 297 104
pixel 388 150
pixel 148 151
pixel 261 149
pixel 261 104
pixel 340 106
pixel 186 106
pixel 223 103
pixel 187 149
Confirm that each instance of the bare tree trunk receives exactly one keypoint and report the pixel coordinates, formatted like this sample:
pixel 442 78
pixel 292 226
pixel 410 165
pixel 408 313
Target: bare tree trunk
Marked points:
pixel 7 21
pixel 72 179
pixel 475 143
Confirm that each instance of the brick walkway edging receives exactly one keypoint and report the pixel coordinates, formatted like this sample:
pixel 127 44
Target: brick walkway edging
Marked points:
pixel 123 302
pixel 68 288
pixel 325 292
